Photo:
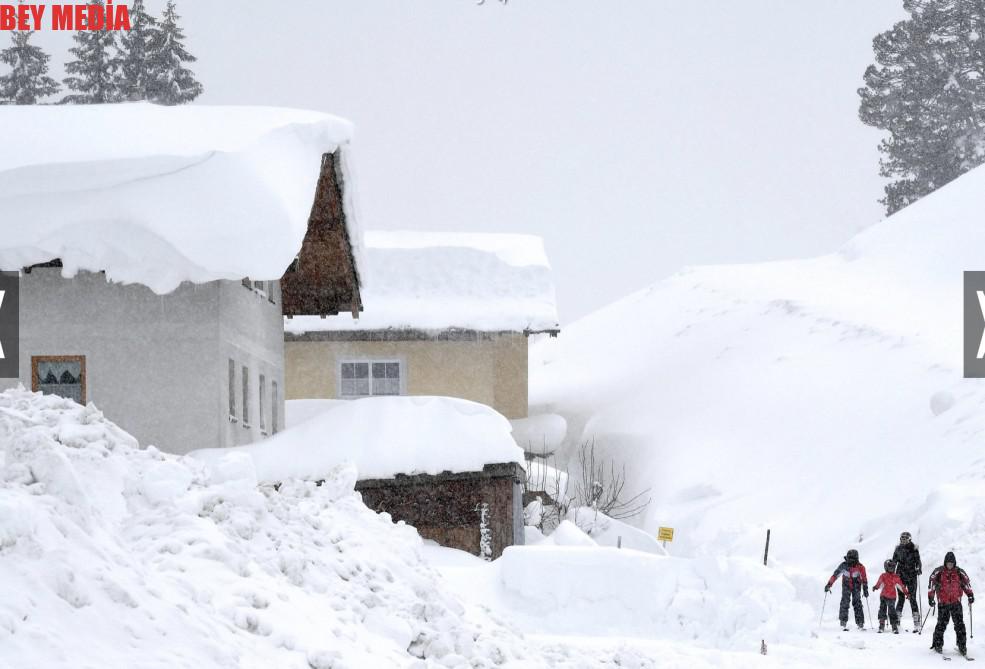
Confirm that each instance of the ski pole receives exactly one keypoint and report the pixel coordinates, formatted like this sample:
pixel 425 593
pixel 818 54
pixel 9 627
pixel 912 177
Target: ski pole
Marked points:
pixel 823 604
pixel 925 619
pixel 869 608
pixel 971 616
pixel 917 597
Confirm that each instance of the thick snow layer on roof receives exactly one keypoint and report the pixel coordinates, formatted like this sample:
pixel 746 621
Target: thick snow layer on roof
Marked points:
pixel 381 437
pixel 159 195
pixel 437 281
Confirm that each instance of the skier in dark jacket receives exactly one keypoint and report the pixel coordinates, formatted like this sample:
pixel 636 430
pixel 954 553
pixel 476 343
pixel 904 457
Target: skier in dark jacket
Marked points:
pixel 854 584
pixel 946 585
pixel 907 558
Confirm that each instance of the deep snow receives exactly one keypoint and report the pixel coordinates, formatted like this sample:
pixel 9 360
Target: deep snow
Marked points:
pixel 160 195
pixel 821 398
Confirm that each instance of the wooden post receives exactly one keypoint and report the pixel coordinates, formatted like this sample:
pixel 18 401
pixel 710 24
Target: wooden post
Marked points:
pixel 766 553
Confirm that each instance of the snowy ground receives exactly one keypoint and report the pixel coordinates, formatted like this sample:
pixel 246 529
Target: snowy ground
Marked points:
pixel 821 398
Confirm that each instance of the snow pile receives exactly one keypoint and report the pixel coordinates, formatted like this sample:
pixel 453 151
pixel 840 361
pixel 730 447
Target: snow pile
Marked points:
pixel 298 411
pixel 716 602
pixel 540 434
pixel 606 531
pixel 822 399
pixel 159 195
pixel 381 437
pixel 116 557
pixel 437 281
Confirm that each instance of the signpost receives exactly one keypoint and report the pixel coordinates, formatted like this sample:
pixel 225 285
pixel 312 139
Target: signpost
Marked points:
pixel 665 534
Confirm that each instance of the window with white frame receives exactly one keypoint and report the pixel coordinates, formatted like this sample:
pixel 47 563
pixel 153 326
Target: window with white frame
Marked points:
pixel 366 378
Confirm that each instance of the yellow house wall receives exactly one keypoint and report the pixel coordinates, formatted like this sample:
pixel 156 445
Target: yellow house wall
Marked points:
pixel 492 371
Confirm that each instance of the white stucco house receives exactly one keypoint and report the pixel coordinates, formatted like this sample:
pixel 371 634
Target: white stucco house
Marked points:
pixel 152 244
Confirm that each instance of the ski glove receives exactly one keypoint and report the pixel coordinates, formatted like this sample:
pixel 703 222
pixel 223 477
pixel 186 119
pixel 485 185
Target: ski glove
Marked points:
pixel 827 589
pixel 930 600
pixel 971 599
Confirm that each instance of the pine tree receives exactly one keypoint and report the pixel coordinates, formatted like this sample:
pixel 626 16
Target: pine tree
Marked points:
pixel 27 82
pixel 172 83
pixel 96 67
pixel 135 46
pixel 927 89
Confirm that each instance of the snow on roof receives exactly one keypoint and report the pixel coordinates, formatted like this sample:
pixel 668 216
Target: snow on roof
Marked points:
pixel 440 280
pixel 159 195
pixel 381 437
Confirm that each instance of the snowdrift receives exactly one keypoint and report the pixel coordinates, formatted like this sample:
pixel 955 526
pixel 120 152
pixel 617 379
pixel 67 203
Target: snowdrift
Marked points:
pixel 112 556
pixel 821 398
pixel 577 590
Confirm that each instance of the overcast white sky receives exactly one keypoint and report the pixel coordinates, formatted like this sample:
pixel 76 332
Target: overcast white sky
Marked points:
pixel 635 136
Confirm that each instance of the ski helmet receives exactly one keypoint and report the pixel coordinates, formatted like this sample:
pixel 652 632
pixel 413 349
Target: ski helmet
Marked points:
pixel 905 538
pixel 852 555
pixel 950 558
pixel 889 565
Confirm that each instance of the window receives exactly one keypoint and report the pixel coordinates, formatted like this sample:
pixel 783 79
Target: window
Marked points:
pixel 63 375
pixel 370 377
pixel 263 393
pixel 246 396
pixel 232 390
pixel 274 407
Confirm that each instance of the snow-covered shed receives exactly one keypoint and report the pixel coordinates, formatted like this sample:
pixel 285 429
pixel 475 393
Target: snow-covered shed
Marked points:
pixel 446 314
pixel 151 242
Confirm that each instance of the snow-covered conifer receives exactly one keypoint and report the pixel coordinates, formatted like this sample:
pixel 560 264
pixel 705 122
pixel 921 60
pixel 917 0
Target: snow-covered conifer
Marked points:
pixel 927 89
pixel 135 49
pixel 171 82
pixel 28 81
pixel 95 70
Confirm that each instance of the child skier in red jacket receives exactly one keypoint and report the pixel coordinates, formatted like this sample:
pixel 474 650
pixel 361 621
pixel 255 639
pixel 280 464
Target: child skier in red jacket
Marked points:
pixel 891 585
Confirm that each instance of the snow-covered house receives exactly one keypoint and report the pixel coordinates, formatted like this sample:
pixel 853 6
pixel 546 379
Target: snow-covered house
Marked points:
pixel 446 314
pixel 133 227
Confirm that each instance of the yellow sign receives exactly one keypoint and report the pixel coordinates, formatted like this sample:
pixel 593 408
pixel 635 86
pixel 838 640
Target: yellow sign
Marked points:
pixel 665 534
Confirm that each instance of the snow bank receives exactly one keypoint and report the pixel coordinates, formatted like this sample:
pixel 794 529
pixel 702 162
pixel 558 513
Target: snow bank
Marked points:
pixel 541 434
pixel 381 437
pixel 112 556
pixel 606 531
pixel 604 591
pixel 159 195
pixel 436 281
pixel 298 411
pixel 822 399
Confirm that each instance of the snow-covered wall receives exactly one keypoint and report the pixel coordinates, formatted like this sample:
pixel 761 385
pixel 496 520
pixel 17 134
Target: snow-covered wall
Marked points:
pixel 157 364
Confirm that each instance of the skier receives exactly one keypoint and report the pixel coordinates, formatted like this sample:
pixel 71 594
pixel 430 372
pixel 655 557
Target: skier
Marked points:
pixel 854 583
pixel 907 559
pixel 891 583
pixel 948 583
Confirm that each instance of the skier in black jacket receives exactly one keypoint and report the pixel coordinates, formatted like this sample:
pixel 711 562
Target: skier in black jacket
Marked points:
pixel 907 557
